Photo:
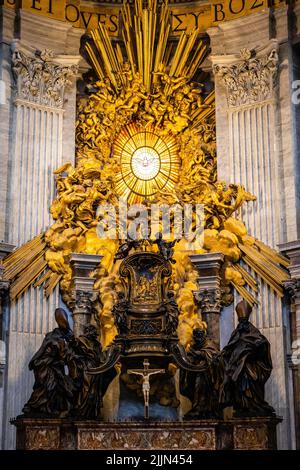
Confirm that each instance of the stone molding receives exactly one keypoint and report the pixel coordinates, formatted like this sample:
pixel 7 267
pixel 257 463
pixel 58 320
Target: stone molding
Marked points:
pixel 292 250
pixel 208 266
pixel 40 78
pixel 250 77
pixel 83 265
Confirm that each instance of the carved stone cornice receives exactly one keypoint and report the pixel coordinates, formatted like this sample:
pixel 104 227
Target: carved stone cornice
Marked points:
pixel 250 78
pixel 292 250
pixel 208 266
pixel 83 265
pixel 40 78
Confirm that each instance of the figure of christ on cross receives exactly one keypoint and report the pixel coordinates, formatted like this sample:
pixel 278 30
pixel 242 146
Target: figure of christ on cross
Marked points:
pixel 145 374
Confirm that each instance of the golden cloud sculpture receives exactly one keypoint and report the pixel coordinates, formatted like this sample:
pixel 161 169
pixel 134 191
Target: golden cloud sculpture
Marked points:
pixel 147 132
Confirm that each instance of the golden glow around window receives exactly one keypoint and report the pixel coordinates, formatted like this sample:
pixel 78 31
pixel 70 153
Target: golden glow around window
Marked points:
pixel 148 163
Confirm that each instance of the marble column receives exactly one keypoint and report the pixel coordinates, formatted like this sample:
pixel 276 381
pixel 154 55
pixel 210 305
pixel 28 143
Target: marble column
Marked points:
pixel 83 289
pixel 44 87
pixel 292 250
pixel 209 295
pixel 249 124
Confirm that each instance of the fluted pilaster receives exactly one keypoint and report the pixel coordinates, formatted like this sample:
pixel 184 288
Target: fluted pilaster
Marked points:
pixel 43 80
pixel 247 117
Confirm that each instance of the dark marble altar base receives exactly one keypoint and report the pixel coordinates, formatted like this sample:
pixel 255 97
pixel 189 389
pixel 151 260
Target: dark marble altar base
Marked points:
pixel 63 434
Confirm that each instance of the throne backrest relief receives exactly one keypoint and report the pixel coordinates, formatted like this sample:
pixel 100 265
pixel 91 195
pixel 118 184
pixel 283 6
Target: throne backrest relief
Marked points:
pixel 146 278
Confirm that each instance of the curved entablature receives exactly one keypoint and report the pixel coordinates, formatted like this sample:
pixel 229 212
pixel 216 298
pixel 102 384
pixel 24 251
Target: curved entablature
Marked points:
pixel 186 14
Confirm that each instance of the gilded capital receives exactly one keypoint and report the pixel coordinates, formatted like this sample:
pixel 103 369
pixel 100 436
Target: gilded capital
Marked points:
pixel 251 78
pixel 40 79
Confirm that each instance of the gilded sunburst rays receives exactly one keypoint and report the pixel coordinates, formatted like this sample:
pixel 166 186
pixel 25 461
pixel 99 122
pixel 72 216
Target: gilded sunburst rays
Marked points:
pixel 149 163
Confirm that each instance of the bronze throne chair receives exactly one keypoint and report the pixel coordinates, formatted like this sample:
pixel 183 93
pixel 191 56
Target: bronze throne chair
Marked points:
pixel 146 316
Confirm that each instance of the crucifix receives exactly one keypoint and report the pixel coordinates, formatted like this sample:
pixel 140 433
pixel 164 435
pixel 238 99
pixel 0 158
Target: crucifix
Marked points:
pixel 145 374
